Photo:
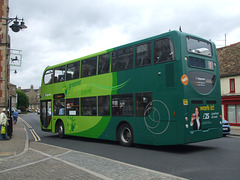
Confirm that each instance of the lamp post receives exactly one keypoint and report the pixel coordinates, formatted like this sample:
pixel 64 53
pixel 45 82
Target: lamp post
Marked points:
pixel 16 27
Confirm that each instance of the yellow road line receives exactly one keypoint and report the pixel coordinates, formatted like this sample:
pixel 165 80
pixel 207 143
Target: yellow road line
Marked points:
pixel 6 154
pixel 33 132
pixel 36 137
pixel 28 125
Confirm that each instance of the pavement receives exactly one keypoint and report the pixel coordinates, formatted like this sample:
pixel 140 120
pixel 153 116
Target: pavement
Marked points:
pixel 24 159
pixel 235 131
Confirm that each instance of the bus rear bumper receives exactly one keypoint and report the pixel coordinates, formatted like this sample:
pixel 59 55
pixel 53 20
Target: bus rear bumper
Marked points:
pixel 203 135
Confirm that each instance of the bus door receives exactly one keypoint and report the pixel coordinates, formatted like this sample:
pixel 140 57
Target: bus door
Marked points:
pixel 45 114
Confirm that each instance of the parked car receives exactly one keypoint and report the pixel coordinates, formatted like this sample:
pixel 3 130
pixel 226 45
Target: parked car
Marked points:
pixel 226 127
pixel 19 111
pixel 38 111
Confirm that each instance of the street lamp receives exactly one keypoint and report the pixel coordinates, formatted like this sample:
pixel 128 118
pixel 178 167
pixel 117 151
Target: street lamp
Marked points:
pixel 16 27
pixel 15 71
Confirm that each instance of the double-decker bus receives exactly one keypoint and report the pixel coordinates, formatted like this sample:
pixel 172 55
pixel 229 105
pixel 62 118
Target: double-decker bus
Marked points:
pixel 163 90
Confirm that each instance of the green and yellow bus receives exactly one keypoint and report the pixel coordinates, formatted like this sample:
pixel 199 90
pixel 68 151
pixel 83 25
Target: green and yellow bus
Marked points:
pixel 163 90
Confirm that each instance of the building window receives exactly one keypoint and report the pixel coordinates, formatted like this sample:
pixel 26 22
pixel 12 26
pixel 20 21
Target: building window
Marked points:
pixel 238 113
pixel 232 85
pixel 234 113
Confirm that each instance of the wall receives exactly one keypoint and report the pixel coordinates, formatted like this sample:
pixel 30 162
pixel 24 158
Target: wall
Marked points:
pixel 4 65
pixel 225 85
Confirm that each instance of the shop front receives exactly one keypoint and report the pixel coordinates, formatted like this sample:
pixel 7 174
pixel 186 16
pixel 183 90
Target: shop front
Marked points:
pixel 231 109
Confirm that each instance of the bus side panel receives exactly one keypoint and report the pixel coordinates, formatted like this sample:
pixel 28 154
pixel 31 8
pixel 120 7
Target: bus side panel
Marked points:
pixel 91 127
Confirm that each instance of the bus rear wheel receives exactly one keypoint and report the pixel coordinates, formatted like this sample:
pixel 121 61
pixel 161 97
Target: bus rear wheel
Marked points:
pixel 61 129
pixel 125 135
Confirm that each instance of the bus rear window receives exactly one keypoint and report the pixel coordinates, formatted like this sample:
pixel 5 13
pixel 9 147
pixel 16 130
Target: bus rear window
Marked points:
pixel 197 62
pixel 201 63
pixel 200 47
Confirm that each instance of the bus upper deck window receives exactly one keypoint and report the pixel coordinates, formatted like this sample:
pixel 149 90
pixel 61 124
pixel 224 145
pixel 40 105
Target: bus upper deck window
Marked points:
pixel 104 64
pixel 163 51
pixel 48 77
pixel 73 71
pixel 122 59
pixel 89 67
pixel 143 55
pixel 59 74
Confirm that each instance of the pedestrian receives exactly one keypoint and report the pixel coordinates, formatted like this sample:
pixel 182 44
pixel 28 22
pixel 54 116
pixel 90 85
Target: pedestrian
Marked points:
pixel 15 116
pixel 3 122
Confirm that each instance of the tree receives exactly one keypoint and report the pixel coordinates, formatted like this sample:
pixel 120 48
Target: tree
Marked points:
pixel 22 100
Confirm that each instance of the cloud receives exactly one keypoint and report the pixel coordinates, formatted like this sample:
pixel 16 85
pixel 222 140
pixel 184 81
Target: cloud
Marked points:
pixel 63 30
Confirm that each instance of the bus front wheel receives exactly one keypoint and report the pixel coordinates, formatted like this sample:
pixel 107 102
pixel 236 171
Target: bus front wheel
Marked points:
pixel 125 135
pixel 61 129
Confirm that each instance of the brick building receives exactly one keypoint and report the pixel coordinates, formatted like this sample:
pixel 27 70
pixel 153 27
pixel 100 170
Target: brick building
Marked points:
pixel 4 55
pixel 229 60
pixel 34 98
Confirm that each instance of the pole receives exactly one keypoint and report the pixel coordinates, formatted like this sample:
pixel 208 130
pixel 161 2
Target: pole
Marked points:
pixel 225 40
pixel 6 65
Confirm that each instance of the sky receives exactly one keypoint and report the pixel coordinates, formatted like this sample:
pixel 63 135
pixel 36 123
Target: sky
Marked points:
pixel 59 31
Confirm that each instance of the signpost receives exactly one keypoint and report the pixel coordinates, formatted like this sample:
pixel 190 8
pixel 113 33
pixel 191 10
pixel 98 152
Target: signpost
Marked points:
pixel 15 57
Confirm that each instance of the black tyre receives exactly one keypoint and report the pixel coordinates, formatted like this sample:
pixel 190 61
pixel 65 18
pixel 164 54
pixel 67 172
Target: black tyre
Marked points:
pixel 125 135
pixel 61 129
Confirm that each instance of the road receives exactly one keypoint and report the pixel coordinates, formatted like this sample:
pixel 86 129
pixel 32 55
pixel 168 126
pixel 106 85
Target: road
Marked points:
pixel 215 159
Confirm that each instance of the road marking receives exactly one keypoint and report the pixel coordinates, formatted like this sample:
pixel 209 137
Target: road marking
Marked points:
pixel 33 132
pixel 28 125
pixel 7 153
pixel 35 135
